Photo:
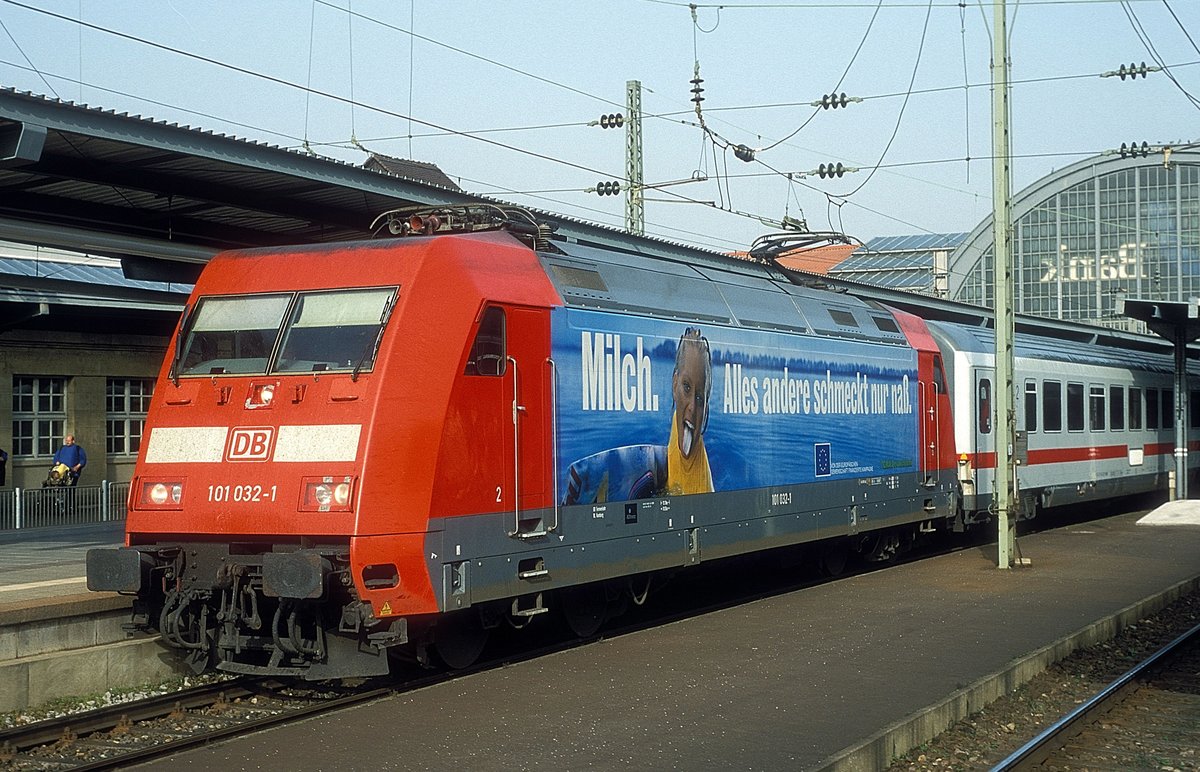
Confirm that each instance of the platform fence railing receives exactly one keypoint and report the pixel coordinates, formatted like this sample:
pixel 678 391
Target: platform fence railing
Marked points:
pixel 56 506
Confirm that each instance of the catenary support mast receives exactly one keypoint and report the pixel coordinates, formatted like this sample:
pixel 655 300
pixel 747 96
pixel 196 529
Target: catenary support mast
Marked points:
pixel 1005 424
pixel 635 212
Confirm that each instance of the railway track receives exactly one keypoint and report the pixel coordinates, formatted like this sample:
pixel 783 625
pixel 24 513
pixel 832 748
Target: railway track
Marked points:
pixel 1145 719
pixel 133 732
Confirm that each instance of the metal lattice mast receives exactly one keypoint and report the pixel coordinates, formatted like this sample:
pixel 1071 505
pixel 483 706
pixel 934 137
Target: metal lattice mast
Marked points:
pixel 635 211
pixel 1005 429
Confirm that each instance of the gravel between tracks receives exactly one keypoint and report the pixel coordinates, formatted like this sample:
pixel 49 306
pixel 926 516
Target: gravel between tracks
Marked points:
pixel 985 738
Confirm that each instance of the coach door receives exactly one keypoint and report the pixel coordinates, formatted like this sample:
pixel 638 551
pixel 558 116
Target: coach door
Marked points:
pixel 984 418
pixel 527 389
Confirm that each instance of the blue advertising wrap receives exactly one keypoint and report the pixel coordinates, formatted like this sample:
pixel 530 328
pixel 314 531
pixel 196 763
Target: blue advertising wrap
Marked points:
pixel 649 408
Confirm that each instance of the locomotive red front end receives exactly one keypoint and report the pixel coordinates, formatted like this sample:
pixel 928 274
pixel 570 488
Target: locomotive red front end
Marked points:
pixel 279 513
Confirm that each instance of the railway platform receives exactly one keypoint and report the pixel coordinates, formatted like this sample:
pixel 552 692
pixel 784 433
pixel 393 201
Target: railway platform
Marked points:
pixel 57 640
pixel 842 675
pixel 50 562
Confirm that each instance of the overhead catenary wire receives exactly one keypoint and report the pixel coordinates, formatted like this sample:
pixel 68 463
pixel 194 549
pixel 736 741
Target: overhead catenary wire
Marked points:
pixel 772 172
pixel 723 193
pixel 1144 37
pixel 412 48
pixel 350 54
pixel 336 97
pixel 463 52
pixel 831 4
pixel 297 139
pixel 159 103
pixel 1184 29
pixel 28 61
pixel 903 106
pixel 703 158
pixel 841 79
pixel 962 31
pixel 913 92
pixel 319 92
pixel 312 28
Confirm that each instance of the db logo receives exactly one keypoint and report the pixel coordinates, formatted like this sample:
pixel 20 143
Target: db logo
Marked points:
pixel 250 444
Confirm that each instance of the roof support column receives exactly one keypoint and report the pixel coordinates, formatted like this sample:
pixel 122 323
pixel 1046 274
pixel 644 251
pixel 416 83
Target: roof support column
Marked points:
pixel 1181 416
pixel 1178 322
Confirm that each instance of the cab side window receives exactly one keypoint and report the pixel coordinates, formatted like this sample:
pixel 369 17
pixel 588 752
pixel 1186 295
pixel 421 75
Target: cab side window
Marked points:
pixel 488 352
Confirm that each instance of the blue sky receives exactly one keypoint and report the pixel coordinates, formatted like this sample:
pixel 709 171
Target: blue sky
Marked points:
pixel 498 94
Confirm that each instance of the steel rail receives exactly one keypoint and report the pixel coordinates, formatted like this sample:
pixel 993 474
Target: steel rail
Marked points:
pixel 80 725
pixel 102 719
pixel 172 747
pixel 1054 737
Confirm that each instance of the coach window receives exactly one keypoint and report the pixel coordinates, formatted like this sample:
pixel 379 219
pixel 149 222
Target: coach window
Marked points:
pixel 233 334
pixel 1031 398
pixel 1167 404
pixel 1135 409
pixel 1151 408
pixel 1075 407
pixel 1096 408
pixel 488 353
pixel 1194 409
pixel 336 330
pixel 985 406
pixel 1116 408
pixel 1052 406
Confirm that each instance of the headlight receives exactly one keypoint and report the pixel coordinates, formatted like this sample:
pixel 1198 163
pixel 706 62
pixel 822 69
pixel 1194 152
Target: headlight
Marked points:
pixel 326 494
pixel 161 494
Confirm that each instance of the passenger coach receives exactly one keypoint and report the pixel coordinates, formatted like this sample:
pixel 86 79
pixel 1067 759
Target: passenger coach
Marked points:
pixel 1094 421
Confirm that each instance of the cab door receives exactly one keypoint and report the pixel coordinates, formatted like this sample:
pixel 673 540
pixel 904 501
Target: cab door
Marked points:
pixel 527 390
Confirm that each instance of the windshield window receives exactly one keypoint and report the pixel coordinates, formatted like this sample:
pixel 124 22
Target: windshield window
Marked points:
pixel 336 330
pixel 233 334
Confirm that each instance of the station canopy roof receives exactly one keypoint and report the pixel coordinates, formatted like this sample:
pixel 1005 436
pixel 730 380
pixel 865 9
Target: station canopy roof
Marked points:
pixel 158 195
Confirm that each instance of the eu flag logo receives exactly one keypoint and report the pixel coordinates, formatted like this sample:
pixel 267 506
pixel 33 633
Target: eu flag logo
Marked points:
pixel 822 453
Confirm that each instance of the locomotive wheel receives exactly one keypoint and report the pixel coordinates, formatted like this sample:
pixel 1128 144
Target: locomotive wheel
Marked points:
pixel 584 609
pixel 460 639
pixel 833 557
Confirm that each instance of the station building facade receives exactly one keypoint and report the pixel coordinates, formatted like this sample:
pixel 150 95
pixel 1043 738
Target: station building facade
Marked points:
pixel 1100 229
pixel 80 349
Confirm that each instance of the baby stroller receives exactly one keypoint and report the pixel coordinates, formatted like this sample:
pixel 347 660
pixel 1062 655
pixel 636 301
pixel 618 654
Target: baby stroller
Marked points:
pixel 59 477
